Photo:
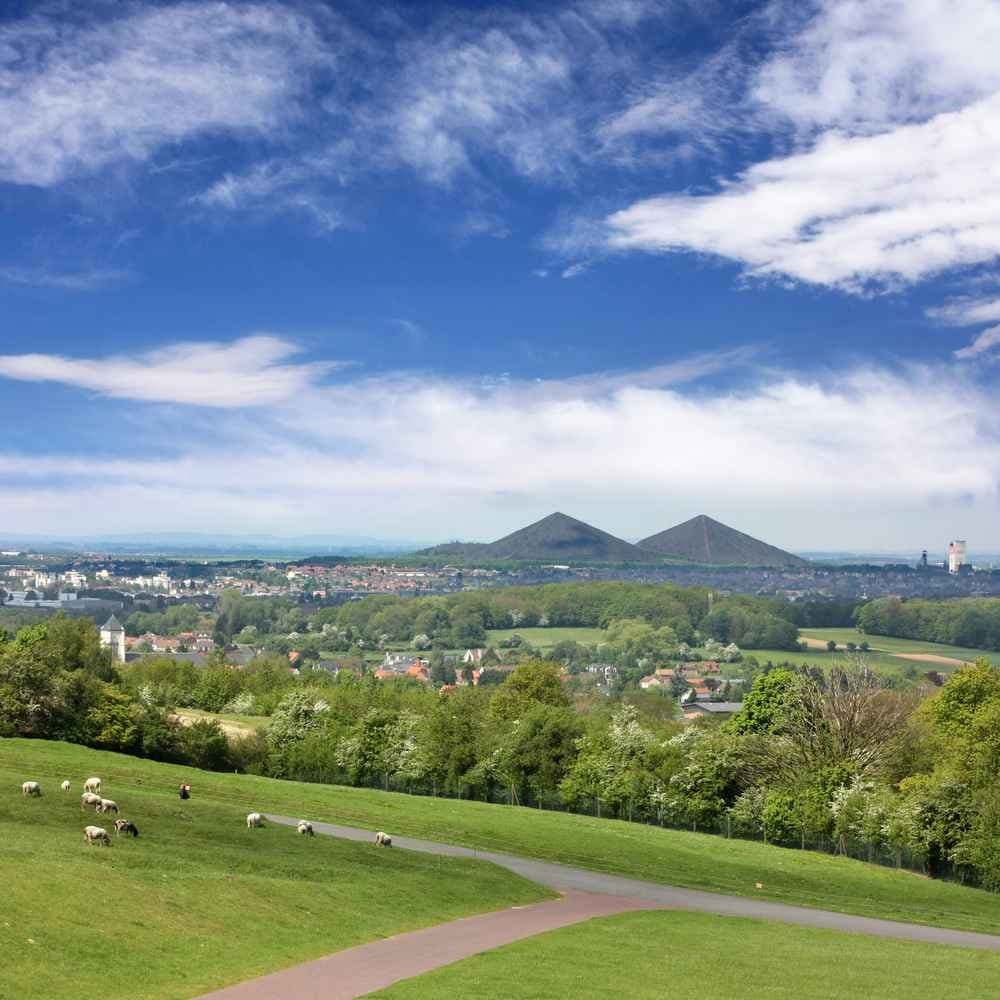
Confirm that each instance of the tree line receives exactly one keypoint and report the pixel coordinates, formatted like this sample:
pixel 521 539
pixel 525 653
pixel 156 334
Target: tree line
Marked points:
pixel 962 621
pixel 462 620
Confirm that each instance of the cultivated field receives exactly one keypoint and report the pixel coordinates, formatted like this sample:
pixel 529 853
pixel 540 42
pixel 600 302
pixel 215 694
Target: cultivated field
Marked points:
pixel 882 663
pixel 668 856
pixel 691 956
pixel 197 901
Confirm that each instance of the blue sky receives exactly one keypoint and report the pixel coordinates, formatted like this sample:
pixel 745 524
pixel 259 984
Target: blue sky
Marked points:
pixel 433 271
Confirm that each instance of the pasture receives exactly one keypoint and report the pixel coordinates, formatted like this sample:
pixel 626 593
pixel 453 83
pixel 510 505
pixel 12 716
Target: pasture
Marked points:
pixel 673 857
pixel 690 956
pixel 197 901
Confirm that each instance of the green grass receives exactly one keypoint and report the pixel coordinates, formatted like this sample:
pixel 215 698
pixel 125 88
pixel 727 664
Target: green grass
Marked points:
pixel 887 644
pixel 197 901
pixel 546 638
pixel 883 663
pixel 693 956
pixel 673 857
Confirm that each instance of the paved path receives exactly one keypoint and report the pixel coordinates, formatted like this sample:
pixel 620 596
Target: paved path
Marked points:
pixel 563 879
pixel 357 971
pixel 354 972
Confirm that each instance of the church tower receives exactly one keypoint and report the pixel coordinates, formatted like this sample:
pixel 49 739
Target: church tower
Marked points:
pixel 113 636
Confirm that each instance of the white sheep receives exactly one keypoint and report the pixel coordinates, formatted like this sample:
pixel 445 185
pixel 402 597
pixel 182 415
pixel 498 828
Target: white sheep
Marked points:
pixel 96 835
pixel 65 786
pixel 305 827
pixel 253 820
pixel 92 785
pixel 383 839
pixel 31 788
pixel 89 799
pixel 107 806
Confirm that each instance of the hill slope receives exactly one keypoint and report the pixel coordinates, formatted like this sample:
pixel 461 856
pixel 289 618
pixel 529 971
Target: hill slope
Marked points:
pixel 557 538
pixel 198 900
pixel 675 857
pixel 705 540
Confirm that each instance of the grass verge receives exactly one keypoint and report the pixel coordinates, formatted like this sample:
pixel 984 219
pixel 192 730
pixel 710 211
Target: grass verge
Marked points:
pixel 690 956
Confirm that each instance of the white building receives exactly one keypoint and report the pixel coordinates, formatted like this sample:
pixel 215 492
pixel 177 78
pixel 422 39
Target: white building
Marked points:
pixel 956 556
pixel 113 636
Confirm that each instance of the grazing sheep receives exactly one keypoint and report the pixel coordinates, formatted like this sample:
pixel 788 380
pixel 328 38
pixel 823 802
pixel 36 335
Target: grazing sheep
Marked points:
pixel 107 806
pixel 383 839
pixel 96 835
pixel 254 819
pixel 31 788
pixel 127 827
pixel 92 785
pixel 89 799
pixel 305 827
pixel 65 786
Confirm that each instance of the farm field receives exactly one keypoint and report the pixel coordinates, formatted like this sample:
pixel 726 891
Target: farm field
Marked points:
pixel 883 663
pixel 197 901
pixel 888 644
pixel 673 857
pixel 747 958
pixel 546 638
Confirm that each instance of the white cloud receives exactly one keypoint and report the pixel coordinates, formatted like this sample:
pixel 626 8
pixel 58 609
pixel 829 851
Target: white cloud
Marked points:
pixel 75 99
pixel 490 89
pixel 252 371
pixel 967 311
pixel 987 342
pixel 865 65
pixel 854 210
pixel 75 281
pixel 632 452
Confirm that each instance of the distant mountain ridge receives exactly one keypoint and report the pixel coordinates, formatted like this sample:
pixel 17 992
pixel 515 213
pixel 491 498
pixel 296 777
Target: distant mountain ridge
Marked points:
pixel 705 540
pixel 557 538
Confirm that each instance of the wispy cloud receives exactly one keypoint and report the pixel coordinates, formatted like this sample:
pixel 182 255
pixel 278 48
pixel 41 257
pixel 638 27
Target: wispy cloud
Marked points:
pixel 967 311
pixel 973 311
pixel 851 212
pixel 985 343
pixel 75 281
pixel 890 111
pixel 632 451
pixel 864 66
pixel 75 99
pixel 253 371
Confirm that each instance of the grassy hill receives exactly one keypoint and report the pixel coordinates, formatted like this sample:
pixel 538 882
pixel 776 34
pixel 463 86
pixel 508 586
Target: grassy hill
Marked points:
pixel 197 901
pixel 691 956
pixel 672 857
pixel 705 540
pixel 557 538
